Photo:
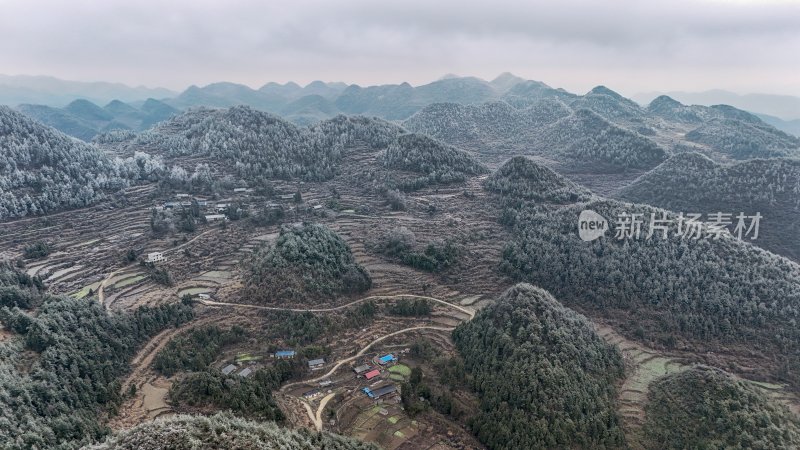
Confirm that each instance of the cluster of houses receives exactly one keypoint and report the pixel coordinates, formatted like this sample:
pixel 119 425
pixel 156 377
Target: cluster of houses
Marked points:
pixel 368 373
pixel 231 368
pixel 314 364
pixel 215 210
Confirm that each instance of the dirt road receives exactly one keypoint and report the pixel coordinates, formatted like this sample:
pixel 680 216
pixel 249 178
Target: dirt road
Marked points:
pixel 466 311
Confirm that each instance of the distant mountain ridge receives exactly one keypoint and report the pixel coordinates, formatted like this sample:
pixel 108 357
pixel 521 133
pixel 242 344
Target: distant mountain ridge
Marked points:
pixel 84 120
pixel 319 100
pixel 786 107
pixel 50 91
pixel 598 133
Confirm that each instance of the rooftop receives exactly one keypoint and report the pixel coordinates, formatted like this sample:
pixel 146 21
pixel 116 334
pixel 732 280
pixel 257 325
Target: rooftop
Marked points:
pixel 386 358
pixel 380 392
pixel 361 369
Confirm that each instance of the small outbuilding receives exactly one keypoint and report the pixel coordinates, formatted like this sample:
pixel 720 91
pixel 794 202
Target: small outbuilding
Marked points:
pixel 316 364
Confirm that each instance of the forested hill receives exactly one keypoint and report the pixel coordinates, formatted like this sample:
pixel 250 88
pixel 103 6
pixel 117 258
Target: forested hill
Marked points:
pixel 522 179
pixel 691 182
pixel 308 262
pixel 42 170
pixel 257 145
pixel 707 408
pixel 61 361
pixel 744 140
pixel 224 431
pixel 549 128
pixel 544 378
pixel 720 295
pixel 435 161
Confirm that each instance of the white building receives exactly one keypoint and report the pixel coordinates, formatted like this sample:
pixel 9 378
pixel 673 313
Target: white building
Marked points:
pixel 155 257
pixel 215 217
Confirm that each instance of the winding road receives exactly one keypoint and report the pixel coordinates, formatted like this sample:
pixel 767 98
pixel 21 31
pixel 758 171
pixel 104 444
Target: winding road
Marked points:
pixel 466 311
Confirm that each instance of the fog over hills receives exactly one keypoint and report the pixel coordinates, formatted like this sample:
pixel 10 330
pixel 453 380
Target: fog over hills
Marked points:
pixel 44 90
pixel 599 139
pixel 84 119
pixel 785 107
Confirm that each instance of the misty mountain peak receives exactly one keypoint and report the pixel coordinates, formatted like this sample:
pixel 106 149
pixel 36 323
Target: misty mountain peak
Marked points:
pixel 602 90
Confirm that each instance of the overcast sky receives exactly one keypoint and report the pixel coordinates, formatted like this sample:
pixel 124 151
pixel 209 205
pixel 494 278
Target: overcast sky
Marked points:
pixel 628 45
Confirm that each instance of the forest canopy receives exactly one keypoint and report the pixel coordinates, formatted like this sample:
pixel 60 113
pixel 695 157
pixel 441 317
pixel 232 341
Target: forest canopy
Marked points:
pixel 224 431
pixel 307 263
pixel 56 399
pixel 544 378
pixel 706 408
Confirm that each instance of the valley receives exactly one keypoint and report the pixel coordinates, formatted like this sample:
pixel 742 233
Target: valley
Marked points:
pixel 369 278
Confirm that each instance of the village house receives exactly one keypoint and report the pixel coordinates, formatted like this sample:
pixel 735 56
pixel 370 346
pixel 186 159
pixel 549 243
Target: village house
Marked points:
pixel 372 374
pixel 386 359
pixel 312 393
pixel 380 392
pixel 227 370
pixel 361 369
pixel 285 354
pixel 215 217
pixel 316 364
pixel 155 257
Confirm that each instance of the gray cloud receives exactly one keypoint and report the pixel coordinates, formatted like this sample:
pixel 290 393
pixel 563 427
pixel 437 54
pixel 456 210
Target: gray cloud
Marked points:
pixel 627 44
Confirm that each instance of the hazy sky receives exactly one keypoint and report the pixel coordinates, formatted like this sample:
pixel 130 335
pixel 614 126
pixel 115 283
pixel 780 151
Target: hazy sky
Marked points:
pixel 628 45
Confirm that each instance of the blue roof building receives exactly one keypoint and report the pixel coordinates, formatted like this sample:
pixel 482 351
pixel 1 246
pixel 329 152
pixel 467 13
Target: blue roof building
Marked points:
pixel 285 354
pixel 387 359
pixel 380 392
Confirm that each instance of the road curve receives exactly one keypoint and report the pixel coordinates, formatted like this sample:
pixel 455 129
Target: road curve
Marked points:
pixel 466 311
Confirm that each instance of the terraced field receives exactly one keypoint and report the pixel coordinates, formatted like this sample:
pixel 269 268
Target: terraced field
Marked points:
pixel 643 366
